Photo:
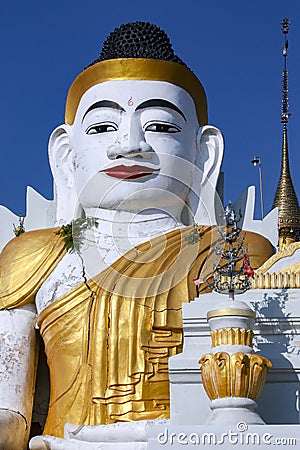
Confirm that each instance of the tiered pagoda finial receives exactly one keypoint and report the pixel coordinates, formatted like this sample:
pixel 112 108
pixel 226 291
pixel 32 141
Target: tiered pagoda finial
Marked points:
pixel 286 198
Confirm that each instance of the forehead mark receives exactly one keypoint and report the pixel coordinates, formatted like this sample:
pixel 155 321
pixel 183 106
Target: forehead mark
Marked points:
pixel 104 104
pixel 130 102
pixel 160 103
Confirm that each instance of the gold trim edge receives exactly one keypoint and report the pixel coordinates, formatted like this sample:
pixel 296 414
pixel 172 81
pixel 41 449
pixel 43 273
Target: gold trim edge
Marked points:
pixel 289 251
pixel 137 69
pixel 230 312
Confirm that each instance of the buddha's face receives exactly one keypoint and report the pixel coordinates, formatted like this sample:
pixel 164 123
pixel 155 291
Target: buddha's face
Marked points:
pixel 134 146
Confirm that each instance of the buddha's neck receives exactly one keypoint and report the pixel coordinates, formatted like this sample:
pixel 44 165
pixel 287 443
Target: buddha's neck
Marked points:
pixel 117 232
pixel 138 226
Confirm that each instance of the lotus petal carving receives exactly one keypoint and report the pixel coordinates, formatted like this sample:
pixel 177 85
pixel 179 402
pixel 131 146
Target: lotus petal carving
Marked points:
pixel 236 375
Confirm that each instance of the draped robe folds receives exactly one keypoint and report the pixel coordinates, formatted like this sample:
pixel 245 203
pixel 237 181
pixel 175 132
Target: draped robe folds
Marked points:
pixel 109 339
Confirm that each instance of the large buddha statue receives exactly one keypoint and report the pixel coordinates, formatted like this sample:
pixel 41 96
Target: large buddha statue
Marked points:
pixel 134 165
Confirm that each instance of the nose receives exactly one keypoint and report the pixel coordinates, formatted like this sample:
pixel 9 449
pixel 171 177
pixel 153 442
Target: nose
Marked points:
pixel 131 142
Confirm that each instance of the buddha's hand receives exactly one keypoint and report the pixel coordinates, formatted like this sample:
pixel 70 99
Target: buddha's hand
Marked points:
pixel 13 430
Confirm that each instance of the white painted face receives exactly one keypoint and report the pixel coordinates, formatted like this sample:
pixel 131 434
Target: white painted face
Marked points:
pixel 134 146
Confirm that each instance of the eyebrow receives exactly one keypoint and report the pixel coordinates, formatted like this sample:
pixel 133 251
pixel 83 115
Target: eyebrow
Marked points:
pixel 159 103
pixel 104 104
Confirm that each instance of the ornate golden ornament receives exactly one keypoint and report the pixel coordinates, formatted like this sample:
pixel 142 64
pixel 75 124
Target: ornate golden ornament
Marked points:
pixel 286 200
pixel 231 336
pixel 285 279
pixel 236 375
pixel 137 69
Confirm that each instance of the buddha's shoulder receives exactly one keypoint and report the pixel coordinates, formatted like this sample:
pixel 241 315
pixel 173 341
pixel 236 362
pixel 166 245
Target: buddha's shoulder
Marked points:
pixel 257 246
pixel 30 252
pixel 39 242
pixel 25 262
pixel 258 243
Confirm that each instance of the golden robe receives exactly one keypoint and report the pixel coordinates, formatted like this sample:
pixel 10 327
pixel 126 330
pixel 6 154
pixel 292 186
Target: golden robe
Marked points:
pixel 108 340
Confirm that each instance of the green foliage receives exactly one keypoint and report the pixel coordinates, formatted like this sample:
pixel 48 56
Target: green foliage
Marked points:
pixel 194 236
pixel 72 232
pixel 20 229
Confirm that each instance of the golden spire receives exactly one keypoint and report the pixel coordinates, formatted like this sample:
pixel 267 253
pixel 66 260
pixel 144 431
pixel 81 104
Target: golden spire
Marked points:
pixel 285 198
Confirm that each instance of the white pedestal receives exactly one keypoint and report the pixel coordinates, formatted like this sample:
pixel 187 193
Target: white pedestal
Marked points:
pixel 277 338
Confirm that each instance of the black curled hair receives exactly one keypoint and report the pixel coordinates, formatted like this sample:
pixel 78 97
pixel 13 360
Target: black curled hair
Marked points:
pixel 138 40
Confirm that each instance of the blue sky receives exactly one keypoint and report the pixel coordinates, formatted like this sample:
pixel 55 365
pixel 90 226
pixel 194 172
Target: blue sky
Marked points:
pixel 234 47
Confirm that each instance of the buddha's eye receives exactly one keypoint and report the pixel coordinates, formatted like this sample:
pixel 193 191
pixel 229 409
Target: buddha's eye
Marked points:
pixel 159 127
pixel 97 128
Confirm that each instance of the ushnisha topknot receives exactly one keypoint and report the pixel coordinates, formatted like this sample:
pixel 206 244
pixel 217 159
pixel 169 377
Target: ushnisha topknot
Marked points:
pixel 137 51
pixel 138 40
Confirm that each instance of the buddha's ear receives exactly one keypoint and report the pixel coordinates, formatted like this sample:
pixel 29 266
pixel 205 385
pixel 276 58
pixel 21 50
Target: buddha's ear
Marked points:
pixel 61 163
pixel 210 146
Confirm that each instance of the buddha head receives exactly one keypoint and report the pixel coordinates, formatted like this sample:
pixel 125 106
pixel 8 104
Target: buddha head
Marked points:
pixel 136 136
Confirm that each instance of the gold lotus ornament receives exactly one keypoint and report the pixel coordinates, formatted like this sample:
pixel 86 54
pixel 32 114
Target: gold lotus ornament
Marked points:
pixel 235 375
pixel 231 336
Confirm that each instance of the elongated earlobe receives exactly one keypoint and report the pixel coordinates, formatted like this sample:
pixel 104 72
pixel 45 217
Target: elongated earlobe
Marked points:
pixel 60 157
pixel 210 146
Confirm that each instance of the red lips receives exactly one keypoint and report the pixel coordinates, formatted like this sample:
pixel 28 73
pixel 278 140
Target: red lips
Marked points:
pixel 128 172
